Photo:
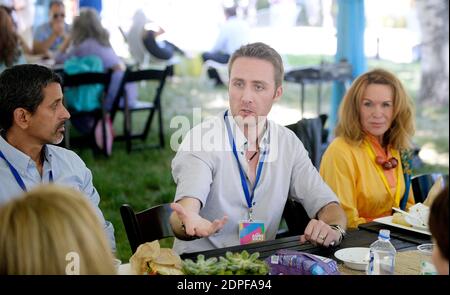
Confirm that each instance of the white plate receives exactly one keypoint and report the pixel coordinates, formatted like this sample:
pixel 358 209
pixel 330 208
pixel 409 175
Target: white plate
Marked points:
pixel 388 220
pixel 355 258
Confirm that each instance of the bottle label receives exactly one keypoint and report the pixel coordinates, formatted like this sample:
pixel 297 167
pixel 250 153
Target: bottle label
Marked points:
pixel 381 263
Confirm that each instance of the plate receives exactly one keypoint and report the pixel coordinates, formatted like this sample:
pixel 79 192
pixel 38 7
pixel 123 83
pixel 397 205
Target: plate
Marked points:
pixel 388 221
pixel 355 258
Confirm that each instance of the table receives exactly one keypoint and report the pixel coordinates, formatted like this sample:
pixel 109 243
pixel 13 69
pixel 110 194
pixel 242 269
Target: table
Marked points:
pixel 407 259
pixel 405 242
pixel 354 238
pixel 325 72
pixel 406 263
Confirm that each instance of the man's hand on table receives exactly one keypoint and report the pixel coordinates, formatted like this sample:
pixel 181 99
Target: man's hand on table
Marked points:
pixel 319 233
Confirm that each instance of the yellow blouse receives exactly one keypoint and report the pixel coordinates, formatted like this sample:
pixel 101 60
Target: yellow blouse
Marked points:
pixel 353 175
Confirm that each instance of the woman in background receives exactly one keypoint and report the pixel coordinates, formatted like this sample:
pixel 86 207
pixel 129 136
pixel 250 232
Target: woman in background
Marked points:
pixel 363 164
pixel 12 47
pixel 89 37
pixel 144 38
pixel 52 230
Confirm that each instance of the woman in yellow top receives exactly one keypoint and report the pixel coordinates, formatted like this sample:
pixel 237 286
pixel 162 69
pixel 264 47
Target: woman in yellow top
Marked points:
pixel 363 164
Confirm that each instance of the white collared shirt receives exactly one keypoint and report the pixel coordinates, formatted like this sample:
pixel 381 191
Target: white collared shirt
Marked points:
pixel 205 168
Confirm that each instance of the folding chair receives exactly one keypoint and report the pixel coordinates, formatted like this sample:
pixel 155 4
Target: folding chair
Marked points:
pixel 82 79
pixel 141 106
pixel 146 226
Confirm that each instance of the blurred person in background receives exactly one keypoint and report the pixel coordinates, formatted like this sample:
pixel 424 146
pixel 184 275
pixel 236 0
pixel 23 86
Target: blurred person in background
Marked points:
pixel 12 47
pixel 52 35
pixel 233 34
pixel 89 37
pixel 52 230
pixel 25 11
pixel 438 223
pixel 144 37
pixel 363 164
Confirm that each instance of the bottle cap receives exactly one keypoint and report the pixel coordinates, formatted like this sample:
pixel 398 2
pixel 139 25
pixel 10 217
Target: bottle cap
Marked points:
pixel 384 234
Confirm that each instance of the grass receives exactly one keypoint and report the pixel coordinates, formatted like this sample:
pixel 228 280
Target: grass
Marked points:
pixel 143 178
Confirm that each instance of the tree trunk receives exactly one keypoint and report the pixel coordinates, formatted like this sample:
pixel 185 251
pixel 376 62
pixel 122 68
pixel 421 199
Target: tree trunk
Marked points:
pixel 433 19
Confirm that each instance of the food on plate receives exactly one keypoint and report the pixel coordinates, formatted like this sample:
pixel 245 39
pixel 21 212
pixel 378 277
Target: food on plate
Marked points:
pixel 421 211
pixel 233 263
pixel 399 218
pixel 151 259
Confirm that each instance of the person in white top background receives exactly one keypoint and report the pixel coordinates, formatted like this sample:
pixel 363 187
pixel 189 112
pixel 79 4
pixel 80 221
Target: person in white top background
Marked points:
pixel 234 33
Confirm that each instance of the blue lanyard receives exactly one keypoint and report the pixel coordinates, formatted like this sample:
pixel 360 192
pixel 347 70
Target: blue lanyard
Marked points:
pixel 16 175
pixel 248 197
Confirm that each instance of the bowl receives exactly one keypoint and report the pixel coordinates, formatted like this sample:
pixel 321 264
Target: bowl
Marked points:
pixel 355 258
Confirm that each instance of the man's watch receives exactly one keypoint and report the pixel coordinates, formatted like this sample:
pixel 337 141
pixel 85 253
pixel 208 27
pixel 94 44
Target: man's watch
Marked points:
pixel 339 229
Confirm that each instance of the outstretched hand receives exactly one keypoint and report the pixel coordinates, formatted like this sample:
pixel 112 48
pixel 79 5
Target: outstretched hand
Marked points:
pixel 195 225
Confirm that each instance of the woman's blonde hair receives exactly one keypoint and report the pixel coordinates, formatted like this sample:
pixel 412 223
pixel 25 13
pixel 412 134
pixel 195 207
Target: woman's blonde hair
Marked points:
pixel 42 231
pixel 402 127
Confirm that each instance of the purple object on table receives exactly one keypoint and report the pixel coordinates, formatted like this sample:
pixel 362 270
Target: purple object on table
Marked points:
pixel 289 262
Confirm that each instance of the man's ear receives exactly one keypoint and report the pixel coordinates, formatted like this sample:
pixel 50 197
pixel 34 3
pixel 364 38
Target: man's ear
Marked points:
pixel 278 93
pixel 21 118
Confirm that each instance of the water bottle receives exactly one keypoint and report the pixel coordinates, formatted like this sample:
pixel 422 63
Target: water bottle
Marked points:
pixel 382 255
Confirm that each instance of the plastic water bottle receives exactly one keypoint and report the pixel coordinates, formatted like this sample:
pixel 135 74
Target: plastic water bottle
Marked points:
pixel 382 255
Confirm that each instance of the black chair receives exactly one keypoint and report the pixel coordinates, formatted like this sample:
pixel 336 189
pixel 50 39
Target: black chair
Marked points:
pixel 313 135
pixel 89 78
pixel 146 226
pixel 142 106
pixel 421 185
pixel 295 217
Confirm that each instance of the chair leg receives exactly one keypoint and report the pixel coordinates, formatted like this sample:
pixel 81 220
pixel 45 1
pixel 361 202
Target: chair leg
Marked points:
pixel 128 135
pixel 104 139
pixel 161 130
pixel 148 124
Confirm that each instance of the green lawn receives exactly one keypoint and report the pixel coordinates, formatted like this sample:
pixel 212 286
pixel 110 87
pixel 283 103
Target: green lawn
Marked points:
pixel 143 178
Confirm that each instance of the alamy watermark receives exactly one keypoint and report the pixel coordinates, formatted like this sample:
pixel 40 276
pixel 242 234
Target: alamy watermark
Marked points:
pixel 210 134
pixel 73 263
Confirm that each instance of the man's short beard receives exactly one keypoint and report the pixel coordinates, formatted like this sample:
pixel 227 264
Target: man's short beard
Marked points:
pixel 59 140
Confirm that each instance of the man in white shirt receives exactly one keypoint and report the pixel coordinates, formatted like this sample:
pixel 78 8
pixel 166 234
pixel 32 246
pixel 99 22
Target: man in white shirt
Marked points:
pixel 235 172
pixel 233 34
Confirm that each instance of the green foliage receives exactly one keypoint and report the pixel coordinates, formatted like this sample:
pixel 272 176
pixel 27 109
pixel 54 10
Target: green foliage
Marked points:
pixel 232 264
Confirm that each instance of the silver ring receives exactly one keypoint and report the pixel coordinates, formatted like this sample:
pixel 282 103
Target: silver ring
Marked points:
pixel 322 237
